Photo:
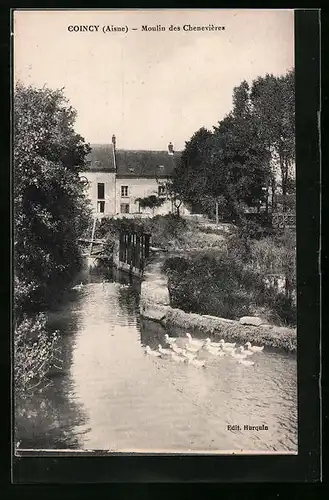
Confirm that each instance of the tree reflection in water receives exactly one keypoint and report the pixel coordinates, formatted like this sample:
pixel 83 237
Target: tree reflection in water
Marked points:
pixel 47 417
pixel 128 294
pixel 152 333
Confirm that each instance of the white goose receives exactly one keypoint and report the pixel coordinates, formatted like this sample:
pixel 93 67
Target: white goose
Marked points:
pixel 236 355
pixel 78 287
pixel 245 351
pixel 149 351
pixel 228 349
pixel 227 344
pixel 192 348
pixel 213 350
pixel 245 362
pixel 169 340
pixel 164 352
pixel 216 345
pixel 179 341
pixel 254 348
pixel 197 343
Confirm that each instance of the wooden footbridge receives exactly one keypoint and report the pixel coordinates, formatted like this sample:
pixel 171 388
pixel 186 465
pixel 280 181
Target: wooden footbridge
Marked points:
pixel 93 247
pixel 129 252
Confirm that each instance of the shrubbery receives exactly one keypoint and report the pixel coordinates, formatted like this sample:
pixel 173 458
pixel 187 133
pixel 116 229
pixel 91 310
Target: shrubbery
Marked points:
pixel 34 352
pixel 220 285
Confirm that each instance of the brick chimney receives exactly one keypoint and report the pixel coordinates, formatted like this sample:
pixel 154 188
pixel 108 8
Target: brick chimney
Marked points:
pixel 113 141
pixel 170 148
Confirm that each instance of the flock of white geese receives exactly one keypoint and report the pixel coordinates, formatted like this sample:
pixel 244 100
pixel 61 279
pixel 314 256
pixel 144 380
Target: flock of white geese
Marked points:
pixel 196 351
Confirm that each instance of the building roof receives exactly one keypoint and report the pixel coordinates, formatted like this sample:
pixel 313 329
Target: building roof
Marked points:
pixel 101 159
pixel 131 163
pixel 138 163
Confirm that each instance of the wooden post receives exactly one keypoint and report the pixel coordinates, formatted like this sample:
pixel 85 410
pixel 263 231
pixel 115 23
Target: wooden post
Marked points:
pixel 92 236
pixel 216 212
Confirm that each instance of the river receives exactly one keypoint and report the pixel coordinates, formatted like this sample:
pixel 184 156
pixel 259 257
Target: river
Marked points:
pixel 109 395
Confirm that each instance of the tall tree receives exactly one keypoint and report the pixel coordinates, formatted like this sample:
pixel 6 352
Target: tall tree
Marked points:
pixel 273 101
pixel 248 154
pixel 190 177
pixel 50 210
pixel 240 156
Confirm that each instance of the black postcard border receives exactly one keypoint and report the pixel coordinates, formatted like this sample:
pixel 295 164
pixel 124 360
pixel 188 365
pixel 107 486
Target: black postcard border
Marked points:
pixel 305 467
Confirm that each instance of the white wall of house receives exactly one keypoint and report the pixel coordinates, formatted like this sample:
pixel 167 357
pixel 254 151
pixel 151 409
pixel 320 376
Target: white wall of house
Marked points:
pixel 138 188
pixel 128 190
pixel 106 203
pixel 121 194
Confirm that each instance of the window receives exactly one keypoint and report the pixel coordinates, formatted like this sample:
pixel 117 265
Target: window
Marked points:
pixel 124 208
pixel 101 207
pixel 101 190
pixel 124 190
pixel 162 190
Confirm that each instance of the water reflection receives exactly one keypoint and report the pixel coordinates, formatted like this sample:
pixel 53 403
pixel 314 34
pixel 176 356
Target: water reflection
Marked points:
pixel 111 395
pixel 152 333
pixel 48 417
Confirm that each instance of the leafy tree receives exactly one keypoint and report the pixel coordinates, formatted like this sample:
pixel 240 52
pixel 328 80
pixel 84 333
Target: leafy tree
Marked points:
pixel 273 101
pixel 224 168
pixel 238 159
pixel 250 152
pixel 174 196
pixel 50 211
pixel 151 201
pixel 190 180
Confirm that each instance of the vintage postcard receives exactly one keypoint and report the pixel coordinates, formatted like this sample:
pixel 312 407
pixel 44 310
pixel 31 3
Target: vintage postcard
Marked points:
pixel 154 232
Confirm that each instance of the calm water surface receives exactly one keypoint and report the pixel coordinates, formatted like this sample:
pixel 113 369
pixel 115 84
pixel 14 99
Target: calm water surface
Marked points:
pixel 110 395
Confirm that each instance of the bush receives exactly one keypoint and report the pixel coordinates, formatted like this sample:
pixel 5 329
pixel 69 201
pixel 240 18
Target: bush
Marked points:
pixel 284 309
pixel 34 352
pixel 221 285
pixel 209 285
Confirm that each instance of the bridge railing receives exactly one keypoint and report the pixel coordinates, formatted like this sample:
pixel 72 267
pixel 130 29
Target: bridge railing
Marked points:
pixel 134 249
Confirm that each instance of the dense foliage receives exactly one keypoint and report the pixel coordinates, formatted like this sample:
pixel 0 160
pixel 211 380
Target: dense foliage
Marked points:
pixel 35 352
pixel 247 161
pixel 151 201
pixel 220 285
pixel 50 210
pixel 170 232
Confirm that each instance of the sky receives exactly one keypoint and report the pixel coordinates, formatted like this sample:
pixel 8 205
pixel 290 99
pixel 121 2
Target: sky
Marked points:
pixel 150 88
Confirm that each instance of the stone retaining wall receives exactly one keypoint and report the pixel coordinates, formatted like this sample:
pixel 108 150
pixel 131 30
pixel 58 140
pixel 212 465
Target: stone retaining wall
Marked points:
pixel 154 298
pixel 155 305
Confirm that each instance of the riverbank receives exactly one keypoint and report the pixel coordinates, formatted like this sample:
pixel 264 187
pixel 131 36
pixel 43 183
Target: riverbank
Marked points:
pixel 155 304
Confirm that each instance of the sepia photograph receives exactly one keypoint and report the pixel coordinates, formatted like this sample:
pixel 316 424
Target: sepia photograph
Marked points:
pixel 154 231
